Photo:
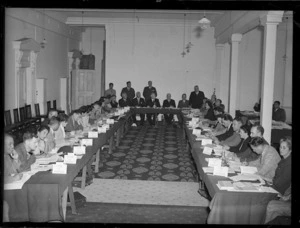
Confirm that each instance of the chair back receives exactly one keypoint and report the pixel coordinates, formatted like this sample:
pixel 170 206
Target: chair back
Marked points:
pixel 7 117
pixel 54 104
pixel 16 115
pixel 22 114
pixel 37 109
pixel 28 111
pixel 48 106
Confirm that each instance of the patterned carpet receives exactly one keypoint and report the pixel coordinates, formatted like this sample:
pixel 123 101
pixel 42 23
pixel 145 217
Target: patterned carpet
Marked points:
pixel 147 153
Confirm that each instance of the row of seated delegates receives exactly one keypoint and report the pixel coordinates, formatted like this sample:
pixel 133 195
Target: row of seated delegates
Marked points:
pixel 278 113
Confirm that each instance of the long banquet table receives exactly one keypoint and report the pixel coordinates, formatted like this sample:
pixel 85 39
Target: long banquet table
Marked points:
pixel 40 198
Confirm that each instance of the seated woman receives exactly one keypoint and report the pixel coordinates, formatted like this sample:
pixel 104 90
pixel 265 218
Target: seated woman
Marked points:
pixel 209 111
pixel 235 138
pixel 25 150
pixel 282 178
pixel 42 133
pixel 11 161
pixel 113 101
pixel 203 109
pixel 268 162
pixel 243 150
pixel 60 133
pixel 74 123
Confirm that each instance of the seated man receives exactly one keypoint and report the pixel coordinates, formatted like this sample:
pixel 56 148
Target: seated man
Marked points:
pixel 169 103
pixel 138 101
pixel 184 103
pixel 52 112
pixel 227 123
pixel 153 102
pixel 235 139
pixel 106 106
pixel 113 101
pixel 203 109
pixel 218 103
pixel 124 101
pixel 50 138
pixel 278 113
pixel 11 161
pixel 25 150
pixel 95 114
pixel 74 123
pixel 257 131
pixel 257 106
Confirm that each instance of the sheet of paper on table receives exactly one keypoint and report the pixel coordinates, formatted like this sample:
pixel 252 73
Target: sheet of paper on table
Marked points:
pixel 225 185
pixel 246 177
pixel 87 142
pixel 93 134
pixel 47 160
pixel 245 186
pixel 207 150
pixel 18 184
pixel 101 129
pixel 196 132
pixel 59 168
pixel 110 121
pixel 212 162
pixel 80 150
pixel 206 141
pixel 248 169
pixel 267 189
pixel 208 169
pixel 200 137
pixel 70 158
pixel 220 171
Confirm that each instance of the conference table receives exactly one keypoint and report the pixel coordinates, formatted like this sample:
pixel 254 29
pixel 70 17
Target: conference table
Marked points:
pixel 43 197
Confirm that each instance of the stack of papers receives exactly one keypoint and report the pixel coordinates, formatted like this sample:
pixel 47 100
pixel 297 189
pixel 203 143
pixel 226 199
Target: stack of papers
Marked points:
pixel 225 185
pixel 248 169
pixel 47 160
pixel 245 186
pixel 208 169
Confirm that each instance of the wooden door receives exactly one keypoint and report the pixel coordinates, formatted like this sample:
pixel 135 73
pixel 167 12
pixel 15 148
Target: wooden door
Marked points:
pixel 83 87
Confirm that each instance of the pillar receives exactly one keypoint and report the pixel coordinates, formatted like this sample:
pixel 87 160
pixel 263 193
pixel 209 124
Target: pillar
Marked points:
pixel 270 22
pixel 235 40
pixel 217 81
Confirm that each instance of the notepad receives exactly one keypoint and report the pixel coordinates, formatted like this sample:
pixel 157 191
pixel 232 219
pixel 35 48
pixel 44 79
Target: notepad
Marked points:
pixel 208 169
pixel 225 185
pixel 206 141
pixel 248 169
pixel 197 132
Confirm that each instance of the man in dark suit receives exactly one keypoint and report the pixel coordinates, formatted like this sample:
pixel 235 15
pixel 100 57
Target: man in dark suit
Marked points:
pixel 153 102
pixel 278 113
pixel 196 98
pixel 148 90
pixel 138 101
pixel 124 101
pixel 129 91
pixel 169 103
pixel 184 103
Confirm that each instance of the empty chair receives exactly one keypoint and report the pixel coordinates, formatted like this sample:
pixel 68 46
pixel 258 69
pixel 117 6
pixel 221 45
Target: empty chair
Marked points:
pixel 16 116
pixel 48 106
pixel 54 104
pixel 37 111
pixel 37 120
pixel 23 117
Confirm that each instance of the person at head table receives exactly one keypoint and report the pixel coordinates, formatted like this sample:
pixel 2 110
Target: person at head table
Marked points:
pixel 25 150
pixel 11 161
pixel 184 103
pixel 110 91
pixel 52 113
pixel 124 101
pixel 210 115
pixel 138 101
pixel 204 108
pixel 74 122
pixel 169 103
pixel 129 91
pixel 153 102
pixel 269 158
pixel 148 90
pixel 196 98
pixel 278 113
pixel 113 101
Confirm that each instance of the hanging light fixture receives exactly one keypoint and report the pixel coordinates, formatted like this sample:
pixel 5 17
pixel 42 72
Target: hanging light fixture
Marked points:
pixel 204 22
pixel 44 42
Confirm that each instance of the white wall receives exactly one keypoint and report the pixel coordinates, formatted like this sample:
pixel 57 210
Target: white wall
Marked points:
pixel 92 42
pixel 250 67
pixel 152 51
pixel 52 62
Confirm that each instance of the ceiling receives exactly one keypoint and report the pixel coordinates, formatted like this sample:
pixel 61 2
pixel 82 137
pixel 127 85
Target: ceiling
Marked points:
pixel 63 14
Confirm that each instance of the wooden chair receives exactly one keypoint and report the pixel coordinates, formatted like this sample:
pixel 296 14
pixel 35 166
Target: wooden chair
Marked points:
pixel 37 111
pixel 16 116
pixel 54 104
pixel 23 117
pixel 35 120
pixel 55 107
pixel 7 117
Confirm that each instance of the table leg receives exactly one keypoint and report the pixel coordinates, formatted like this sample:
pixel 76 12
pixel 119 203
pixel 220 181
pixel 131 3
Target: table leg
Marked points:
pixel 72 200
pixel 83 177
pixel 111 142
pixel 97 160
pixel 64 202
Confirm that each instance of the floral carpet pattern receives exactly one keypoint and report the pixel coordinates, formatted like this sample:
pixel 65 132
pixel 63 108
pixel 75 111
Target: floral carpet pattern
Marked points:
pixel 146 153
